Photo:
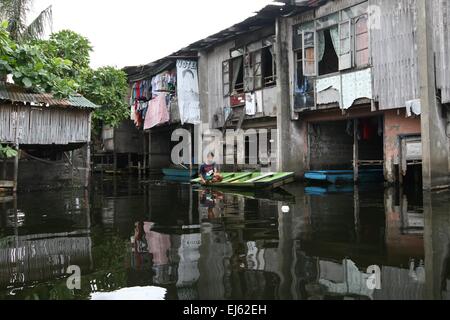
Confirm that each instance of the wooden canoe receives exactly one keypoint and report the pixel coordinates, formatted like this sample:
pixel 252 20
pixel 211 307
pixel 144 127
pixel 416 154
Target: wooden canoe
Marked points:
pixel 252 180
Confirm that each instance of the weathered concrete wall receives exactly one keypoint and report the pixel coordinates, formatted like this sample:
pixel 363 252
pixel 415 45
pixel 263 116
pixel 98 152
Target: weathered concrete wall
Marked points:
pixel 291 134
pixel 396 124
pixel 330 146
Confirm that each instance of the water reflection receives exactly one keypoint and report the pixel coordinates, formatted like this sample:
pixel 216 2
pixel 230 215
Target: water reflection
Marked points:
pixel 206 244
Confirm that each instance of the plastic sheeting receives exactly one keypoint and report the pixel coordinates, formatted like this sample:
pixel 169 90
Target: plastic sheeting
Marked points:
pixel 188 92
pixel 345 89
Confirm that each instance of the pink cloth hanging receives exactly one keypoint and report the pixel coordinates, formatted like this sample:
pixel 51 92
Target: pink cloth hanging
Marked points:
pixel 157 112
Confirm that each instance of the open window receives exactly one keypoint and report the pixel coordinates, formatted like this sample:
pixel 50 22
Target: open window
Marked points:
pixel 328 48
pixel 268 66
pixel 304 85
pixel 237 75
pixel 259 69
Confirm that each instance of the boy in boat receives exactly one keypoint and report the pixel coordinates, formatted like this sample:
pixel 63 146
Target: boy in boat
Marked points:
pixel 208 172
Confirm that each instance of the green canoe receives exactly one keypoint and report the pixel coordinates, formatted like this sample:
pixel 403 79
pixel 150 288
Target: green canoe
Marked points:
pixel 252 180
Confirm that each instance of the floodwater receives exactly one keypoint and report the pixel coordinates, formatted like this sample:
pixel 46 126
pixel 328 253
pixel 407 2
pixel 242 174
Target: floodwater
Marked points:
pixel 165 240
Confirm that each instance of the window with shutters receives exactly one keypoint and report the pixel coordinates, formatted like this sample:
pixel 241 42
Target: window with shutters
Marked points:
pixel 309 53
pixel 304 86
pixel 345 41
pixel 361 41
pixel 226 78
pixel 258 69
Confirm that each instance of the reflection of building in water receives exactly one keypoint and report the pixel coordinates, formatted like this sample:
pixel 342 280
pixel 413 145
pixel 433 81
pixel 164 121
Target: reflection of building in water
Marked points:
pixel 50 247
pixel 320 231
pixel 151 250
pixel 404 225
pixel 42 257
pixel 214 264
pixel 188 272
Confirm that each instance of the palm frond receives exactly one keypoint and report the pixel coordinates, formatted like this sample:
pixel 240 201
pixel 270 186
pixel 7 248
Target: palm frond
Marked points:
pixel 37 28
pixel 15 12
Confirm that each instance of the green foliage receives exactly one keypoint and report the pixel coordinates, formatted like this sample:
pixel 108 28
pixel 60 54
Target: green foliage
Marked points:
pixel 7 152
pixel 106 87
pixel 68 45
pixel 60 66
pixel 33 69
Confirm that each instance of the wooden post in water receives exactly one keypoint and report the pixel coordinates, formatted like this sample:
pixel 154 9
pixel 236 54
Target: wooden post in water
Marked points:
pixel 191 145
pixel 16 145
pixel 130 164
pixel 88 154
pixel 4 164
pixel 355 151
pixel 145 155
pixel 115 163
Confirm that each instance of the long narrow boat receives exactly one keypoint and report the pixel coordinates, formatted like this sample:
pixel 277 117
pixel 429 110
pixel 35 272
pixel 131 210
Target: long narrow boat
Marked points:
pixel 345 176
pixel 252 180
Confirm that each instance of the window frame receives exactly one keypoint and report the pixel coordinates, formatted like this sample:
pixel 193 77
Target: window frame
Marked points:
pixel 316 26
pixel 226 78
pixel 355 21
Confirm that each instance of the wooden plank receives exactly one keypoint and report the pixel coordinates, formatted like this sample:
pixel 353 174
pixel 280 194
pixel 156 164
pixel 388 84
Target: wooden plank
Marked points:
pixel 261 177
pixel 237 177
pixel 355 151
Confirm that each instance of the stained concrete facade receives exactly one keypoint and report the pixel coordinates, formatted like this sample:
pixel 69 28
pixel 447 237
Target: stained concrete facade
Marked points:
pixel 377 96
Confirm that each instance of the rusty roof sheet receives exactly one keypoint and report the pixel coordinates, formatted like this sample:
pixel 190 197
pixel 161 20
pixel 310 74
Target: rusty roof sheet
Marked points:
pixel 14 93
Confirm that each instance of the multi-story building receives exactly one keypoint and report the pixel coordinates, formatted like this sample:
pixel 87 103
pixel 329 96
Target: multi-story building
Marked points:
pixel 347 84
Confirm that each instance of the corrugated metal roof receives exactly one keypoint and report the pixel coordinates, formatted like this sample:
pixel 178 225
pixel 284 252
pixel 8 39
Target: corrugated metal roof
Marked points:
pixel 263 18
pixel 14 93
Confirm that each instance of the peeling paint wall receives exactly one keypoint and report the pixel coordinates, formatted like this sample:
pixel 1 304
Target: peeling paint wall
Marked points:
pixel 395 124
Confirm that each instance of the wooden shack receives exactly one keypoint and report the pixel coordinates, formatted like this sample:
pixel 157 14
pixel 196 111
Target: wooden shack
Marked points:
pixel 53 137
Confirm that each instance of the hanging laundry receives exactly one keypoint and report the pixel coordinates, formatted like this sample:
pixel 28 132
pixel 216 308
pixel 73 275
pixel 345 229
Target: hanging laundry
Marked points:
pixel 259 101
pixel 157 112
pixel 250 104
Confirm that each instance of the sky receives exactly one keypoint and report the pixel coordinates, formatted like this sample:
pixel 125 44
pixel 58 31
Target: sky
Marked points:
pixel 135 32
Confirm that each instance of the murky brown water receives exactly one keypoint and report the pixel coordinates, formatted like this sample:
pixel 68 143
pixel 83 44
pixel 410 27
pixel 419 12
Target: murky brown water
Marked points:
pixel 304 243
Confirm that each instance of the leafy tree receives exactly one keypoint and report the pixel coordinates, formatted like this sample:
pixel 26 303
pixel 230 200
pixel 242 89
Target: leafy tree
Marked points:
pixel 16 12
pixel 68 45
pixel 106 87
pixel 60 66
